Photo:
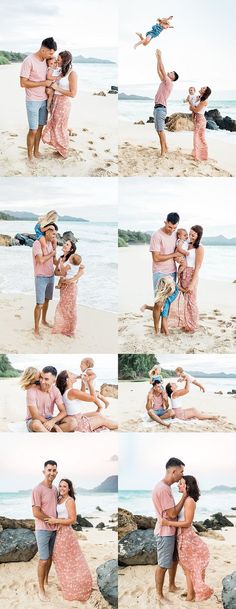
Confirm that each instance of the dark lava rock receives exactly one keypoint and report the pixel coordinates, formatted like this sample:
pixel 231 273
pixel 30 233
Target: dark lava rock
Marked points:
pixel 212 125
pixel 145 522
pixel 229 591
pixel 107 579
pixel 138 548
pixel 83 521
pixel 12 523
pixel 200 527
pixel 17 545
pixel 100 525
pixel 150 119
pixel 217 522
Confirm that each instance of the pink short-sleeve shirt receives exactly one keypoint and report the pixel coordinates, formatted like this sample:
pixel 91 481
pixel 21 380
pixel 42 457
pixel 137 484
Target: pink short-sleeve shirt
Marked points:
pixel 164 91
pixel 43 400
pixel 163 500
pixel 45 498
pixel 164 244
pixel 34 69
pixel 44 269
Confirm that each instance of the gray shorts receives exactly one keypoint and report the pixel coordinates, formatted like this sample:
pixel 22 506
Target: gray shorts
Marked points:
pixel 166 551
pixel 44 288
pixel 45 542
pixel 159 118
pixel 29 421
pixel 37 113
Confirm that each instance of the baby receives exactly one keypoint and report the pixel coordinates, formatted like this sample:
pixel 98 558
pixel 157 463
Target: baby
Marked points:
pixel 166 290
pixel 41 227
pixel 70 268
pixel 182 248
pixel 86 366
pixel 53 74
pixel 183 376
pixel 160 25
pixel 192 97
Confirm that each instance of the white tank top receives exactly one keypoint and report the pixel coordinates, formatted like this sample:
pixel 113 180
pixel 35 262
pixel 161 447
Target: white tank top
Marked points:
pixel 72 406
pixel 203 110
pixel 176 402
pixel 62 510
pixel 181 515
pixel 63 83
pixel 191 258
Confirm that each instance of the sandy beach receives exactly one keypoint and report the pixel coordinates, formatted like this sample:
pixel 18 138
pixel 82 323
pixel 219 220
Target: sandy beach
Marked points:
pixel 139 153
pixel 93 151
pixel 13 408
pixel 133 415
pixel 96 331
pixel 18 587
pixel 217 325
pixel 137 584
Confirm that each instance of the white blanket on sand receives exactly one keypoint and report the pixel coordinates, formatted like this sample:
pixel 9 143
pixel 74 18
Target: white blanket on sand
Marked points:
pixel 147 421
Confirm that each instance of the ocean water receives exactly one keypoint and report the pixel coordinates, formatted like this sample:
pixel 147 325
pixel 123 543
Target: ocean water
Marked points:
pixel 97 246
pixel 96 76
pixel 219 262
pixel 18 505
pixel 216 384
pixel 140 502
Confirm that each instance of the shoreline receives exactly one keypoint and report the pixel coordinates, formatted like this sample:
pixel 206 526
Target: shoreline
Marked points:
pixel 96 330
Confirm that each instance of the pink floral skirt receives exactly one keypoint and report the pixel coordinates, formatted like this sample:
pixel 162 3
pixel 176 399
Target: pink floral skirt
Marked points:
pixel 194 557
pixel 56 131
pixel 184 310
pixel 86 423
pixel 200 149
pixel 65 320
pixel 71 567
pixel 184 413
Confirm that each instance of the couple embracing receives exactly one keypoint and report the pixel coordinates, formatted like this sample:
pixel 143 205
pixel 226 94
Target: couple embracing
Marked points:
pixel 54 511
pixel 49 82
pixel 175 293
pixel 177 541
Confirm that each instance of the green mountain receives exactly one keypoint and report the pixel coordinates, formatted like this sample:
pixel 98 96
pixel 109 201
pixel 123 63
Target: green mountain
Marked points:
pixel 214 375
pixel 130 237
pixel 28 216
pixel 82 59
pixel 7 57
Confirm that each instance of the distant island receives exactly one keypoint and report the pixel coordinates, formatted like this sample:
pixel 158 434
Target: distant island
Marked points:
pixel 222 489
pixel 213 375
pixel 125 97
pixel 109 485
pixel 8 57
pixel 130 237
pixel 28 216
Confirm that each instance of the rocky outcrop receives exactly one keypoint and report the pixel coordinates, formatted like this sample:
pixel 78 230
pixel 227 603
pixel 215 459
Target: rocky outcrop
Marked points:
pixel 221 122
pixel 139 123
pixel 109 390
pixel 100 94
pixel 228 592
pixel 179 121
pixel 145 522
pixel 5 240
pixel 126 522
pixel 217 522
pixel 107 579
pixel 113 90
pixel 17 545
pixel 83 522
pixel 12 523
pixel 138 548
pixel 100 526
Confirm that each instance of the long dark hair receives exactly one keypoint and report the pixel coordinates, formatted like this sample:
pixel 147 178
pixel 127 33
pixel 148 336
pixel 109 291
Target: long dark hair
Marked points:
pixel 169 391
pixel 72 250
pixel 66 62
pixel 61 381
pixel 206 94
pixel 192 487
pixel 199 230
pixel 71 492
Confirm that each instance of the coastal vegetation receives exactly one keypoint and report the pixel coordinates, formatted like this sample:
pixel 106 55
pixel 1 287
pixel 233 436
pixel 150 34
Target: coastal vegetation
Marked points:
pixel 6 368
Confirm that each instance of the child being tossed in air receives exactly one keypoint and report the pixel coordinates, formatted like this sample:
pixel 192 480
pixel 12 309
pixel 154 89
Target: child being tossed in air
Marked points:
pixel 53 74
pixel 88 379
pixel 160 25
pixel 183 376
pixel 166 292
pixel 41 227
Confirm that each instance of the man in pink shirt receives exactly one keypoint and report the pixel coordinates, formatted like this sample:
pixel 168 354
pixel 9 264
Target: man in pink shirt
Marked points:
pixel 162 94
pixel 166 536
pixel 33 78
pixel 41 401
pixel 44 276
pixel 44 505
pixel 162 248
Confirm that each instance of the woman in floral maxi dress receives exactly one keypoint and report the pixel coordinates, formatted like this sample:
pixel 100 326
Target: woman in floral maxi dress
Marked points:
pixel 192 550
pixel 200 149
pixel 65 320
pixel 71 566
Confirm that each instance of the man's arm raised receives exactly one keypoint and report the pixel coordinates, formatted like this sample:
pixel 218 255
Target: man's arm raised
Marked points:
pixel 160 67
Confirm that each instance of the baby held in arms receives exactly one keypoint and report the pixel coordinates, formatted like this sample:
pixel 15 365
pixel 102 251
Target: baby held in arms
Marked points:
pixel 70 269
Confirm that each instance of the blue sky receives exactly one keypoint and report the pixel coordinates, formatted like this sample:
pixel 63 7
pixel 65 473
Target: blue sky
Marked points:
pixel 144 203
pixel 201 47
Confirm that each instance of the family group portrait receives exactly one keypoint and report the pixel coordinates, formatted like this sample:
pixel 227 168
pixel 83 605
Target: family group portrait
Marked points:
pixel 77 393
pixel 177 108
pixel 59 109
pixel 58 524
pixel 181 256
pixel 58 266
pixel 177 522
pixel 177 393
